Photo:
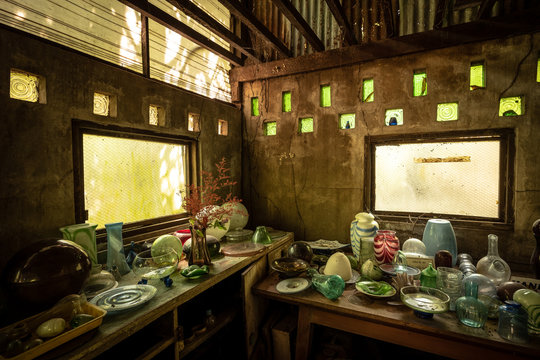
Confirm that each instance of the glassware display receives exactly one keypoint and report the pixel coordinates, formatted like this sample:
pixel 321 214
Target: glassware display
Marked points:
pixel 85 236
pixel 115 248
pixel 198 254
pixel 424 301
pixel 385 246
pixel 513 322
pixel 150 266
pixel 439 235
pixel 331 286
pixel 449 281
pixel 471 311
pixel 492 265
pixel 364 225
pixel 261 236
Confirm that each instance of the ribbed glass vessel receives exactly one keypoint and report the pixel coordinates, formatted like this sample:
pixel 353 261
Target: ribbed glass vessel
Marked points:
pixel 469 309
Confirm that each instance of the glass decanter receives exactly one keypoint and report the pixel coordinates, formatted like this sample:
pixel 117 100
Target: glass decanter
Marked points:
pixel 331 286
pixel 471 311
pixel 492 265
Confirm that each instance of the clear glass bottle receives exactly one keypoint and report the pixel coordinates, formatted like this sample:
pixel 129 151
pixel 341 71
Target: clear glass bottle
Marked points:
pixel 471 311
pixel 513 322
pixel 492 265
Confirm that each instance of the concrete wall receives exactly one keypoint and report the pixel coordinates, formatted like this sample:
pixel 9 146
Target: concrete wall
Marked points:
pixel 36 185
pixel 313 184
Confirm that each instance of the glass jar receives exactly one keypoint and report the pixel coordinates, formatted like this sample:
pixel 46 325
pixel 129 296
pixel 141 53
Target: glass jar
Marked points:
pixel 469 309
pixel 492 265
pixel 513 322
pixel 385 246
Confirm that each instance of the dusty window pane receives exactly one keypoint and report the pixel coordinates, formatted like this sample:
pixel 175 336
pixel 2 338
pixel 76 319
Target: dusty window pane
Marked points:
pixel 131 180
pixel 154 115
pixel 270 128
pixel 325 96
pixel 101 104
pixel 194 122
pixel 346 121
pixel 420 83
pixel 478 76
pixel 223 127
pixel 305 125
pixel 460 178
pixel 393 117
pixel 23 86
pixel 510 106
pixel 367 90
pixel 286 105
pixel 447 112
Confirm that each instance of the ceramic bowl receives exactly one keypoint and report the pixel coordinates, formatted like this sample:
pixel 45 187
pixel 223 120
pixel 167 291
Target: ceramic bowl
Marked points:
pixel 289 267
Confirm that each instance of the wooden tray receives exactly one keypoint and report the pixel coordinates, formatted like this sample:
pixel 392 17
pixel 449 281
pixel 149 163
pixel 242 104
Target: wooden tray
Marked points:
pixel 64 337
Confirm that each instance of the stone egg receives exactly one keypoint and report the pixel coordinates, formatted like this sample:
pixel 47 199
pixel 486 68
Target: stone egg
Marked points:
pixel 338 264
pixel 506 290
pixel 300 250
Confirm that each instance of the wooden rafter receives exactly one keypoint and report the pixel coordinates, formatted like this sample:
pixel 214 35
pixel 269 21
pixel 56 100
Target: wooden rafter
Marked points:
pixel 442 6
pixel 160 16
pixel 296 19
pixel 202 17
pixel 255 25
pixel 339 15
pixel 485 8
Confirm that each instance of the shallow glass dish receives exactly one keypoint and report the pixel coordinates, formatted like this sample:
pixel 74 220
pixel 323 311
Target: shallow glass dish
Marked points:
pixel 124 298
pixel 239 235
pixel 155 266
pixel 289 267
pixel 374 289
pixel 425 301
pixel 393 269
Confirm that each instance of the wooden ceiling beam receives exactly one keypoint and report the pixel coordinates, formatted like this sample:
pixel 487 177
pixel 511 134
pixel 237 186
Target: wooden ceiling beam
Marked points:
pixel 339 15
pixel 160 16
pixel 245 16
pixel 296 19
pixel 485 9
pixel 189 8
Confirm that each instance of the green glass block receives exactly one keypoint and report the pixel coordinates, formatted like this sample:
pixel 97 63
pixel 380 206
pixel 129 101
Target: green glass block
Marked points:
pixel 270 128
pixel 478 76
pixel 510 106
pixel 393 117
pixel 367 90
pixel 23 86
pixel 447 112
pixel 420 83
pixel 286 105
pixel 346 121
pixel 254 106
pixel 305 125
pixel 325 96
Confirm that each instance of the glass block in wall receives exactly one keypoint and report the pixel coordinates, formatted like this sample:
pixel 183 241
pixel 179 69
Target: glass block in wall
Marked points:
pixel 305 125
pixel 538 70
pixel 255 106
pixel 447 112
pixel 420 83
pixel 510 106
pixel 270 128
pixel 478 75
pixel 286 105
pixel 325 96
pixel 101 104
pixel 194 122
pixel 393 117
pixel 223 127
pixel 368 89
pixel 23 86
pixel 346 121
pixel 153 115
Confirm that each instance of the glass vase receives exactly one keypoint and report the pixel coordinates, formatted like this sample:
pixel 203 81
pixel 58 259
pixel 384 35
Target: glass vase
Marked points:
pixel 439 235
pixel 84 235
pixel 363 226
pixel 471 311
pixel 385 246
pixel 261 236
pixel 115 248
pixel 198 254
pixel 492 265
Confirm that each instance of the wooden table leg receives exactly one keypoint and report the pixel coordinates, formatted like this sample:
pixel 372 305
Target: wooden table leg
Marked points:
pixel 303 335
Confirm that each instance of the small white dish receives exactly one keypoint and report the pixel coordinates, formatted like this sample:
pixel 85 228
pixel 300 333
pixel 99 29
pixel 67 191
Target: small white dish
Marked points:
pixel 292 285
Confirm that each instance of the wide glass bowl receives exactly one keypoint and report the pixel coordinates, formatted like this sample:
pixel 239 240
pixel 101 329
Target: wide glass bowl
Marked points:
pixel 157 266
pixel 289 267
pixel 425 301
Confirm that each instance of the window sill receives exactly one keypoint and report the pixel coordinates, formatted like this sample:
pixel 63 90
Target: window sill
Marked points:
pixel 415 223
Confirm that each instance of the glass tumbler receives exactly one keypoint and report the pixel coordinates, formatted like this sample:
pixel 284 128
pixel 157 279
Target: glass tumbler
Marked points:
pixel 449 281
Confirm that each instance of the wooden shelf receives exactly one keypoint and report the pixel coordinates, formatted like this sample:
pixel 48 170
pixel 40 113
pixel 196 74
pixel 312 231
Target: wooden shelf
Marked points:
pixel 156 349
pixel 222 320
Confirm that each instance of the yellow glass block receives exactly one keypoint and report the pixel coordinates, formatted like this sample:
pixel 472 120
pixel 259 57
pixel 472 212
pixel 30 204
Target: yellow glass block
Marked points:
pixel 194 122
pixel 23 86
pixel 223 127
pixel 367 90
pixel 101 104
pixel 510 106
pixel 393 117
pixel 326 96
pixel 286 102
pixel 478 76
pixel 420 83
pixel 305 125
pixel 447 112
pixel 153 115
pixel 270 128
pixel 346 121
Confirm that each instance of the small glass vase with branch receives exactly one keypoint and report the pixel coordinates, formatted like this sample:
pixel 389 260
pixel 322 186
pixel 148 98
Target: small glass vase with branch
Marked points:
pixel 203 204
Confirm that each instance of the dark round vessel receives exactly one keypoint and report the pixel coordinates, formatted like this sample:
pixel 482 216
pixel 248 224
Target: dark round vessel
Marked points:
pixel 45 271
pixel 300 250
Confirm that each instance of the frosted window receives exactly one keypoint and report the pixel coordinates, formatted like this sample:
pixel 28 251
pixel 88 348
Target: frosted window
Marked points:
pixel 194 122
pixel 459 178
pixel 346 121
pixel 447 112
pixel 510 106
pixel 367 90
pixel 420 83
pixel 325 96
pixel 101 104
pixel 131 180
pixel 23 86
pixel 393 117
pixel 270 128
pixel 305 125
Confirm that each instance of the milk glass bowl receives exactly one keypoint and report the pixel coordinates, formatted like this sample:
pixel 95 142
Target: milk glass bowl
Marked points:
pixel 159 266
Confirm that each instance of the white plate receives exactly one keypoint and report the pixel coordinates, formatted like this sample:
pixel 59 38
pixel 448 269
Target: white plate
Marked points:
pixel 354 278
pixel 124 298
pixel 292 285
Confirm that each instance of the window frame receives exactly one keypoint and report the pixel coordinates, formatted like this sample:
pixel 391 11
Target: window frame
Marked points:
pixel 505 219
pixel 138 230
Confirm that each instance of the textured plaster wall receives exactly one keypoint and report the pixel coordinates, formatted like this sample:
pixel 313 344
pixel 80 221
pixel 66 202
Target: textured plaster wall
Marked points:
pixel 36 185
pixel 313 184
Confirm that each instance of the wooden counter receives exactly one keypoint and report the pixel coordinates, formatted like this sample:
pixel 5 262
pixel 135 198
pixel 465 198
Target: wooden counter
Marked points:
pixel 164 306
pixel 393 322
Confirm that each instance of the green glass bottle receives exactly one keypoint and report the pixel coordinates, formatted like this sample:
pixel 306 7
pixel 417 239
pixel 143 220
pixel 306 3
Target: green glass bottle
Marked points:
pixel 331 286
pixel 471 311
pixel 428 277
pixel 261 236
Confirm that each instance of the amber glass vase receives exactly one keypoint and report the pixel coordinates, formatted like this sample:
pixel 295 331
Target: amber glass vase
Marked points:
pixel 199 254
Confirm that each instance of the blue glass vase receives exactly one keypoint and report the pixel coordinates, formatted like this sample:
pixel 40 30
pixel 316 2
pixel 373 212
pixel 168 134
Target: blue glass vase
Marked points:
pixel 439 235
pixel 115 248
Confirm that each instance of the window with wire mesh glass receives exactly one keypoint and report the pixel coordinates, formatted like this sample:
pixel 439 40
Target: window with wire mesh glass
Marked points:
pixel 134 177
pixel 458 175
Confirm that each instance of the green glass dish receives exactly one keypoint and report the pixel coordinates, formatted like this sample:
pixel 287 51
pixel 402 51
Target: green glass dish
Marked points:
pixel 376 289
pixel 425 301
